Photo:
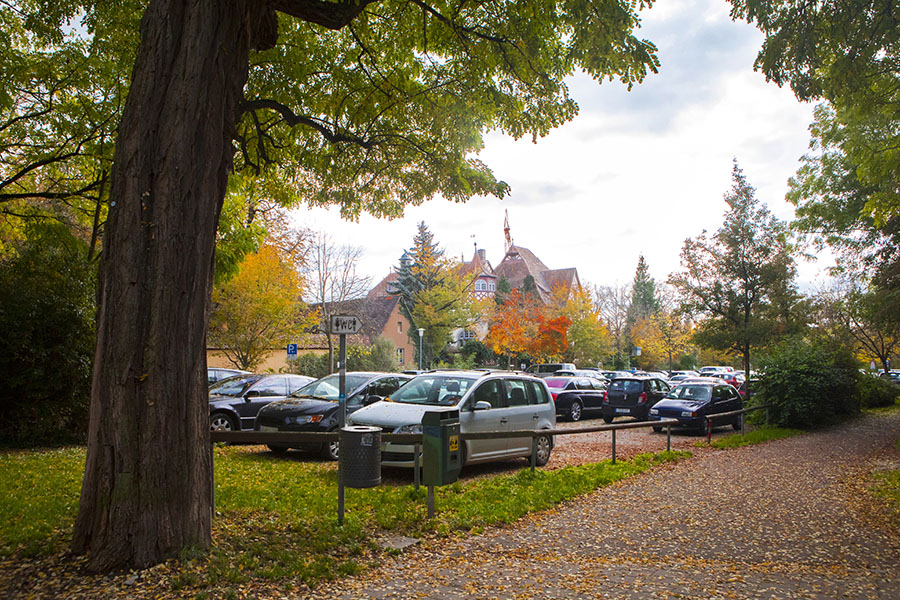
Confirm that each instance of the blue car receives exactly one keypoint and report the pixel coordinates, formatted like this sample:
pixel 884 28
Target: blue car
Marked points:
pixel 693 402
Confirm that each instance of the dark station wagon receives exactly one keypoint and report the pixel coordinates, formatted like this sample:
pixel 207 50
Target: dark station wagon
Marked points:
pixel 574 397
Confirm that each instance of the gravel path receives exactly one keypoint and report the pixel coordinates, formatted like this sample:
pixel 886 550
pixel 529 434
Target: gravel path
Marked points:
pixel 785 519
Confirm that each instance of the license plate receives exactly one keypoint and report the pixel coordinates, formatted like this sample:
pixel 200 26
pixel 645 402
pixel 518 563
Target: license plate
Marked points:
pixel 622 410
pixel 266 428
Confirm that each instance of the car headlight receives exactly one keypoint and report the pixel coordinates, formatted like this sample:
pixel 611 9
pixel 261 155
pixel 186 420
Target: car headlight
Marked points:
pixel 653 411
pixel 417 428
pixel 302 419
pixel 687 413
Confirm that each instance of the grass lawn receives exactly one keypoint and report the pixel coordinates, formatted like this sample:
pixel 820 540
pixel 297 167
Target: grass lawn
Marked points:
pixel 756 436
pixel 277 517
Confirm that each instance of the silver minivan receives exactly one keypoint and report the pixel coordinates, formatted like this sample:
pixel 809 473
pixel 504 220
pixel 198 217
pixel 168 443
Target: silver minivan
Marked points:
pixel 486 401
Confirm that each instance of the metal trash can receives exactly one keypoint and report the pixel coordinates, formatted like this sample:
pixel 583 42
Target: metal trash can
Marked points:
pixel 441 456
pixel 360 456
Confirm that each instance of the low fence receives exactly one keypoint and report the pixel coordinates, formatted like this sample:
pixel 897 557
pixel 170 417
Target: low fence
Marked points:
pixel 290 438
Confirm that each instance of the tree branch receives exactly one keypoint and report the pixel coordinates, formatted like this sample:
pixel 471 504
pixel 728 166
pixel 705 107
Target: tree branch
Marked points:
pixel 332 15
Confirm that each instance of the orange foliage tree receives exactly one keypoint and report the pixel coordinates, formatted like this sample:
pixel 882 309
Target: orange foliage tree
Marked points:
pixel 523 324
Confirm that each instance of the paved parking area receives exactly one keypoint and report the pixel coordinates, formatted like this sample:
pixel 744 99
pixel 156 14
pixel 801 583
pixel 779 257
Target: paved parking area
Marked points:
pixel 785 519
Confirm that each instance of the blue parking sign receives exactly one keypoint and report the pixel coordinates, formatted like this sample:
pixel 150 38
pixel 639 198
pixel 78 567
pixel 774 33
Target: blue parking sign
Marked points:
pixel 292 351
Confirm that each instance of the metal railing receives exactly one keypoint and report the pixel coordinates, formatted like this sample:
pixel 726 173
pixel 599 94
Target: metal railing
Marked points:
pixel 732 413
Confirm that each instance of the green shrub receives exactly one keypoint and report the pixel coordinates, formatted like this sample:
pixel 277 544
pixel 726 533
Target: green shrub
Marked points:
pixel 875 392
pixel 47 308
pixel 809 383
pixel 379 356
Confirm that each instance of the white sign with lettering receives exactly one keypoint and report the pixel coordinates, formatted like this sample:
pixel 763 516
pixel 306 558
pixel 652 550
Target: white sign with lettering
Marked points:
pixel 344 324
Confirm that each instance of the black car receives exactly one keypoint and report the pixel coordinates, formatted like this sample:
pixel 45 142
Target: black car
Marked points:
pixel 692 403
pixel 575 396
pixel 234 402
pixel 632 396
pixel 214 374
pixel 316 406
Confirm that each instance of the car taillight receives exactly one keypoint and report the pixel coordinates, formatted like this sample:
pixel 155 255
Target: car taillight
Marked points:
pixel 554 395
pixel 606 397
pixel 642 398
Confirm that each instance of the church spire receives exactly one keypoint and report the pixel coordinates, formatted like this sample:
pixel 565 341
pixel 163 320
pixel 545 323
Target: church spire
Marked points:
pixel 506 234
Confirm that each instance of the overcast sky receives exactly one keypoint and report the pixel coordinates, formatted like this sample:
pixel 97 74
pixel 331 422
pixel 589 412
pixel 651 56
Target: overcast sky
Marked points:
pixel 634 173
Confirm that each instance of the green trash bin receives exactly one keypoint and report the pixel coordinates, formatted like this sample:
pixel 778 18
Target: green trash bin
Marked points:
pixel 441 447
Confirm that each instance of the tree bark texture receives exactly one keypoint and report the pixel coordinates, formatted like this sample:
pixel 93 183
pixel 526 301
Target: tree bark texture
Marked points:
pixel 146 491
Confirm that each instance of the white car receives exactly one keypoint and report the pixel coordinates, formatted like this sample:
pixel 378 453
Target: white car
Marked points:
pixel 486 401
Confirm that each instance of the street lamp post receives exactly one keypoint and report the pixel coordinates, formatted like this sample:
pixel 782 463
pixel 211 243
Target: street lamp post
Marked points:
pixel 421 333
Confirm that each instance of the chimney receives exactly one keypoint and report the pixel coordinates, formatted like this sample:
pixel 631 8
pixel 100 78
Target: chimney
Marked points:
pixel 481 254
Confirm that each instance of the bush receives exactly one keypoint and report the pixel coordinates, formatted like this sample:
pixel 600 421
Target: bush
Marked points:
pixel 47 307
pixel 875 392
pixel 379 356
pixel 809 383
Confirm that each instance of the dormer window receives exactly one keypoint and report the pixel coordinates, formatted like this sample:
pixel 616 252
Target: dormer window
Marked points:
pixel 480 286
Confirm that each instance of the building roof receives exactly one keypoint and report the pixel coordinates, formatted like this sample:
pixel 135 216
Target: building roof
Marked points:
pixel 521 262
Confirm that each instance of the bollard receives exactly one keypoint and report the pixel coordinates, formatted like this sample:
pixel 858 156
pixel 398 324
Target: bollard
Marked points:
pixel 669 438
pixel 742 423
pixel 709 430
pixel 430 501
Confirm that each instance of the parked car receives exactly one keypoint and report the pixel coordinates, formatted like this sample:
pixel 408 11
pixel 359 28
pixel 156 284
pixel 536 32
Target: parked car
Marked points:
pixel 316 407
pixel 610 375
pixel 581 373
pixel 632 396
pixel 704 371
pixel 548 369
pixel 691 403
pixel 486 400
pixel 575 396
pixel 214 374
pixel 234 402
pixel 893 376
pixel 733 378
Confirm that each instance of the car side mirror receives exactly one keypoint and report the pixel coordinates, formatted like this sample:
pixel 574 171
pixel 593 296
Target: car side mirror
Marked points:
pixel 251 394
pixel 482 405
pixel 372 399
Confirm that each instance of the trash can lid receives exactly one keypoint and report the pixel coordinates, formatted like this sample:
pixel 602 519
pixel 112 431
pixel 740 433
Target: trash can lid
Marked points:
pixel 360 429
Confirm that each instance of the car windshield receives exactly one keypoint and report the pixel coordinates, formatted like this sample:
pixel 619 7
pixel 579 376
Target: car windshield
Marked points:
pixel 329 388
pixel 557 383
pixel 434 389
pixel 234 386
pixel 696 393
pixel 629 386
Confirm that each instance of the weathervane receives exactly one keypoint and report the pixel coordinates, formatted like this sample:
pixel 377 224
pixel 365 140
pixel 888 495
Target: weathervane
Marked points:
pixel 509 242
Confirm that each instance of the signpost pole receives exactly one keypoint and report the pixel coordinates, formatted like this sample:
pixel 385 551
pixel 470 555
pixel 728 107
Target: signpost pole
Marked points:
pixel 343 379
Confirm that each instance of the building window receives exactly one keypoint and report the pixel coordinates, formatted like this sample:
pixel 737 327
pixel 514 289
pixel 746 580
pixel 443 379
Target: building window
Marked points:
pixel 480 286
pixel 399 326
pixel 400 356
pixel 493 286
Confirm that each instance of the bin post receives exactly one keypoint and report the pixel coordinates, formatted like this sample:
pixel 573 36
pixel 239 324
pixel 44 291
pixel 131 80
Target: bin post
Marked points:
pixel 212 481
pixel 430 501
pixel 340 496
pixel 709 430
pixel 669 437
pixel 440 447
pixel 614 447
pixel 416 465
pixel 533 452
pixel 742 423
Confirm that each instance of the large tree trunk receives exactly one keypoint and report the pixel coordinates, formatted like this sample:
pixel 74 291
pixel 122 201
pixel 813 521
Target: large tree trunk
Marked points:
pixel 146 490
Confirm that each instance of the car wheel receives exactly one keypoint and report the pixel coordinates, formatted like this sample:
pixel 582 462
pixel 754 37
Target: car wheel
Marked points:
pixel 657 429
pixel 277 449
pixel 222 422
pixel 607 419
pixel 331 450
pixel 576 411
pixel 544 446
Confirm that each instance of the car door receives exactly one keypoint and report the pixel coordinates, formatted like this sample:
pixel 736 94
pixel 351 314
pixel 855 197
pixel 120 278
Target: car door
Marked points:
pixel 264 391
pixel 523 415
pixel 490 419
pixel 721 400
pixel 591 393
